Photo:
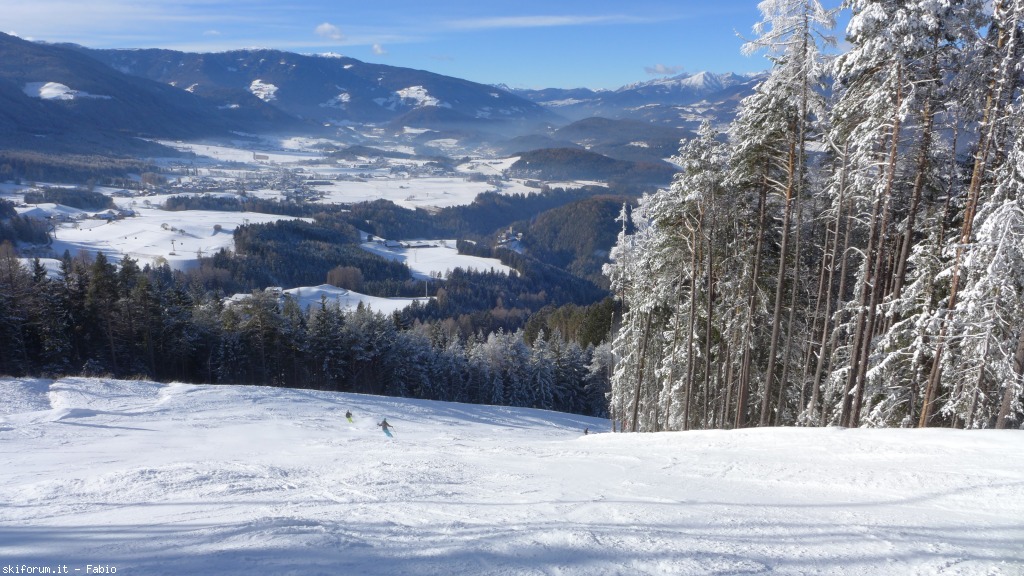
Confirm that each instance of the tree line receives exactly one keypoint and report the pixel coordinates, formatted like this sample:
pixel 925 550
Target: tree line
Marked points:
pixel 31 165
pixel 15 228
pixel 103 319
pixel 577 164
pixel 850 251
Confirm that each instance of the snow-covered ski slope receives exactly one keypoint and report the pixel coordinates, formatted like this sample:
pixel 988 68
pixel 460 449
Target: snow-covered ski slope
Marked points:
pixel 176 479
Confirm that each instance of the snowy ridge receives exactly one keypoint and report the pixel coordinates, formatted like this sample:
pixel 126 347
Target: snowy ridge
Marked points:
pixel 172 479
pixel 698 83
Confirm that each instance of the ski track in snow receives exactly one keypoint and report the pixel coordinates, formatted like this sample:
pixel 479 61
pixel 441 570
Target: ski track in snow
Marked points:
pixel 182 479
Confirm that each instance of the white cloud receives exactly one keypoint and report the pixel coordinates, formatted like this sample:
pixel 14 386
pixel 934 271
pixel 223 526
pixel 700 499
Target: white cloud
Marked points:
pixel 539 21
pixel 328 30
pixel 662 70
pixel 379 50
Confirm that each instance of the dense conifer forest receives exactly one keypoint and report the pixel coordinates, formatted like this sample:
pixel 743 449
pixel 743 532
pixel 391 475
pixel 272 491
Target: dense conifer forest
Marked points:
pixel 850 250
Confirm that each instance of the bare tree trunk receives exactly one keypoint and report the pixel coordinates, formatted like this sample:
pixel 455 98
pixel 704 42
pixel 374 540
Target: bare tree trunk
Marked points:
pixel 927 124
pixel 790 321
pixel 743 391
pixel 874 274
pixel 689 334
pixel 862 305
pixel 822 296
pixel 645 338
pixel 710 313
pixel 707 341
pixel 879 271
pixel 675 346
pixel 828 345
pixel 780 284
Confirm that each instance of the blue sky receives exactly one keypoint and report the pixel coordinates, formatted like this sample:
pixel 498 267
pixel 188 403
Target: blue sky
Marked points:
pixel 525 43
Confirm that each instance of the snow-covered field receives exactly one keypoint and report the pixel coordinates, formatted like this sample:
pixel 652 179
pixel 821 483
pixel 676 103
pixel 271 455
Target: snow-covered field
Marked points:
pixel 396 181
pixel 309 297
pixel 425 192
pixel 154 235
pixel 178 479
pixel 434 258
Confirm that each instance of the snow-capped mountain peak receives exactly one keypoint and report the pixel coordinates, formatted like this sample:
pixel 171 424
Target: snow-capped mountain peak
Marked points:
pixel 698 83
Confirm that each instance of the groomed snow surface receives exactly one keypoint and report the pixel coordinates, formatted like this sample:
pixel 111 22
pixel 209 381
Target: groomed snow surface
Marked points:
pixel 179 479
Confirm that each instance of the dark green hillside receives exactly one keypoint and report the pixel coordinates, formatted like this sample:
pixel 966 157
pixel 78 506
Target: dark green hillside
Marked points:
pixel 625 139
pixel 576 237
pixel 520 144
pixel 106 102
pixel 489 213
pixel 574 164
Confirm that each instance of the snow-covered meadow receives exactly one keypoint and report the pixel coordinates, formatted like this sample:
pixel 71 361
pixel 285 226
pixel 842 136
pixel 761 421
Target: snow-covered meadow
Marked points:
pixel 155 236
pixel 177 479
pixel 310 297
pixel 428 259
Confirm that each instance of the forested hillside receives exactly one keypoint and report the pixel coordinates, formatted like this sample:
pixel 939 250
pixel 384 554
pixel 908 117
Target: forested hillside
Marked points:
pixel 98 318
pixel 574 164
pixel 576 237
pixel 852 253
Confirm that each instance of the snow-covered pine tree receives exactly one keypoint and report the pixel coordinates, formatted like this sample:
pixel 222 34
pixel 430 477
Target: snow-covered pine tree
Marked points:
pixel 541 373
pixel 984 371
pixel 664 275
pixel 15 290
pixel 896 339
pixel 632 274
pixel 998 57
pixel 786 108
pixel 597 391
pixel 888 85
pixel 325 345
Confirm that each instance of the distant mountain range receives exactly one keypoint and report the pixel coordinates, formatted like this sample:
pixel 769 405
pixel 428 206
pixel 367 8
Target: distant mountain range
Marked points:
pixel 55 98
pixel 680 101
pixel 329 89
pixel 622 139
pixel 67 96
